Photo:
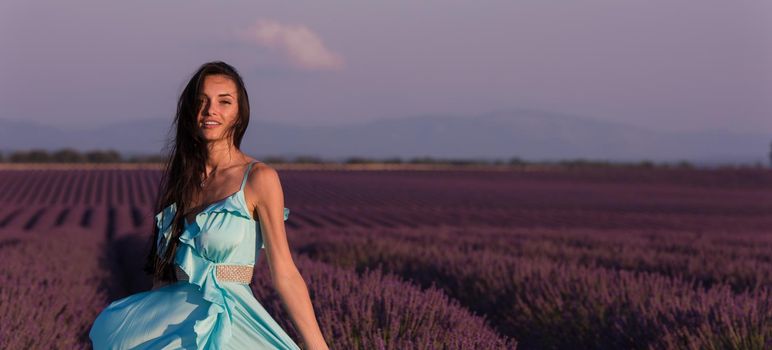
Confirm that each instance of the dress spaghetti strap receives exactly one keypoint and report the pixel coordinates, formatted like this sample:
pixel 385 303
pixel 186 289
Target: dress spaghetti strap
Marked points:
pixel 246 173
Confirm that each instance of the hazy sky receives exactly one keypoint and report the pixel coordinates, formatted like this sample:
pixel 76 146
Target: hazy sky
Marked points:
pixel 664 64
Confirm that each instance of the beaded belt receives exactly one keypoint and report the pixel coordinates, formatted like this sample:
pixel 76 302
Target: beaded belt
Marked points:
pixel 225 273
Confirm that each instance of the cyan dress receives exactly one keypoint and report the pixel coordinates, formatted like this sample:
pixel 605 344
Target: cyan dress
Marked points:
pixel 201 312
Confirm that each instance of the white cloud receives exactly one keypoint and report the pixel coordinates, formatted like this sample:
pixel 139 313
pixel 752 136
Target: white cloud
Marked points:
pixel 302 47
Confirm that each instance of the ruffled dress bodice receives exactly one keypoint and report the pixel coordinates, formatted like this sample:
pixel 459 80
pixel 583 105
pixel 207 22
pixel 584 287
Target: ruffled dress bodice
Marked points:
pixel 222 233
pixel 200 312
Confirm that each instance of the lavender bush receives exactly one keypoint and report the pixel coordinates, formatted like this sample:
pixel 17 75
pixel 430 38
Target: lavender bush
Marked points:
pixel 742 261
pixel 545 303
pixel 378 311
pixel 51 289
pixel 580 258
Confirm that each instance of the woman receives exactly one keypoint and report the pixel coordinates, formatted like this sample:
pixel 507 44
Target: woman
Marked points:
pixel 202 261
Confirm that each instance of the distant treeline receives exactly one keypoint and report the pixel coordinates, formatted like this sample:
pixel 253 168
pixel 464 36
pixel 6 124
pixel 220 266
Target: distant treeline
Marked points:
pixel 69 155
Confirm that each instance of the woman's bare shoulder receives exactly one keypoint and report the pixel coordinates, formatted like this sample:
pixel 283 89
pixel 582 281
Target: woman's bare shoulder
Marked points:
pixel 262 185
pixel 262 177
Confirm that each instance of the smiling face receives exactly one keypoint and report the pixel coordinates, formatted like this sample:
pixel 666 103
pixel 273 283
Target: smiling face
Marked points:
pixel 219 107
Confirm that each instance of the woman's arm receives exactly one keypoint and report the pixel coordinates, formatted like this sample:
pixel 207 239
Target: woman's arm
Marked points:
pixel 286 278
pixel 294 294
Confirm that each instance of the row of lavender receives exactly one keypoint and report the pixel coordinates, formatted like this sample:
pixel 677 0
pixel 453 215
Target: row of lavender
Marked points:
pixel 588 259
pixel 740 260
pixel 138 187
pixel 53 286
pixel 551 289
pixel 679 199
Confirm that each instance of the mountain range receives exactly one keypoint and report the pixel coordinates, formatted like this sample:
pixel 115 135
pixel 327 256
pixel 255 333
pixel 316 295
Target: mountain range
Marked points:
pixel 526 134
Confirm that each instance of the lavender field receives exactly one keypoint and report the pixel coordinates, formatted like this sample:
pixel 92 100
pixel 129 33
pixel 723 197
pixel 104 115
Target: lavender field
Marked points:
pixel 604 258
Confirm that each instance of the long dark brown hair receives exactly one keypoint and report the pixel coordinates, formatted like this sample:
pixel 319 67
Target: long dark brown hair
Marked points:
pixel 185 162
